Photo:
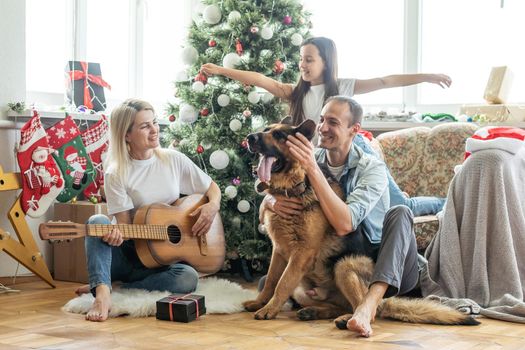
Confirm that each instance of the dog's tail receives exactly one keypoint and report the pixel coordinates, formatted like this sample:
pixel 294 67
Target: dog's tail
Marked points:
pixel 422 311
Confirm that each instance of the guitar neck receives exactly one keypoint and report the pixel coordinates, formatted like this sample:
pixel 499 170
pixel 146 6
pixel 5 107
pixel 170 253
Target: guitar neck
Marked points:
pixel 155 232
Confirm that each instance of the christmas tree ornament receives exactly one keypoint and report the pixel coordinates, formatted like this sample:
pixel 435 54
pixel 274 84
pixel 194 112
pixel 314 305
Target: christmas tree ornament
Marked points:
pixel 41 179
pixel 265 53
pixel 254 29
pixel 238 47
pixel 189 55
pixel 236 181
pixel 230 191
pixel 267 97
pixel 244 144
pixel 235 125
pixel 247 113
pixel 236 222
pixel 219 159
pixel 73 200
pixel 243 206
pixel 231 60
pixel 287 20
pixel 297 39
pixel 254 97
pixel 181 76
pixel 204 112
pixel 96 140
pixel 198 87
pixel 171 118
pixel 278 67
pixel 71 157
pixel 201 77
pixel 188 113
pixel 234 16
pixel 200 149
pixel 262 229
pixel 223 100
pixel 93 199
pixel 266 33
pixel 211 14
pixel 212 43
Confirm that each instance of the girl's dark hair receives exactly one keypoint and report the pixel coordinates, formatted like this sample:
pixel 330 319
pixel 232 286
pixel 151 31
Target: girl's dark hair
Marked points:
pixel 328 53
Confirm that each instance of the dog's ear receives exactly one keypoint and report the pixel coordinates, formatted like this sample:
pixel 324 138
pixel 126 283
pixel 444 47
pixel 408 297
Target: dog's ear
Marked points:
pixel 287 120
pixel 307 128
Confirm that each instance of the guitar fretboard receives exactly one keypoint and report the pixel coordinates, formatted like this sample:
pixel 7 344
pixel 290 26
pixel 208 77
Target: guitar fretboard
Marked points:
pixel 157 232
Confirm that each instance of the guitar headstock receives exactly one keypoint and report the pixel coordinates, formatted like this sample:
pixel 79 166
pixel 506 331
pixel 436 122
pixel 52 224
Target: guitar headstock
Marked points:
pixel 61 230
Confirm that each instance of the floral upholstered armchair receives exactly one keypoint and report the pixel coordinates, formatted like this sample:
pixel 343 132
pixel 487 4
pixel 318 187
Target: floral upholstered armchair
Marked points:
pixel 422 160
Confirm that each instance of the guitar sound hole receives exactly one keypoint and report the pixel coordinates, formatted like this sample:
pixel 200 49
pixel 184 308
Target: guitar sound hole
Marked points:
pixel 174 234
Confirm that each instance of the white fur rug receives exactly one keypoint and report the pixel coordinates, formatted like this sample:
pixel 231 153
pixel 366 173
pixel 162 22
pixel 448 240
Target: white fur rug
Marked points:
pixel 221 297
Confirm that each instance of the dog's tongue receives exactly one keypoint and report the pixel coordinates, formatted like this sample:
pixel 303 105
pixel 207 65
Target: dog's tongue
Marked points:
pixel 265 168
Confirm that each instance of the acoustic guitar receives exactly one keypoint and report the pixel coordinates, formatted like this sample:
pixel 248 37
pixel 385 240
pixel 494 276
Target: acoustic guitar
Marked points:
pixel 162 235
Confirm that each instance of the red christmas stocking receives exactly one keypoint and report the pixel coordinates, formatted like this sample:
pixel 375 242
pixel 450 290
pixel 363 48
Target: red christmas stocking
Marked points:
pixel 71 157
pixel 96 142
pixel 41 178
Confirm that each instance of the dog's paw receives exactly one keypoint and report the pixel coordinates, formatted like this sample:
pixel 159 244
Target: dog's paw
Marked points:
pixel 252 305
pixel 266 313
pixel 307 314
pixel 342 320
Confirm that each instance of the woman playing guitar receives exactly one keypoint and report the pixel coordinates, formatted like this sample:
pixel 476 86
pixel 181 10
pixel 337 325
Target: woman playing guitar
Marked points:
pixel 140 173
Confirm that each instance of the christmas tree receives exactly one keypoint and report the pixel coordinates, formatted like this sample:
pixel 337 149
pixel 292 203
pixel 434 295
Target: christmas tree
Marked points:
pixel 214 115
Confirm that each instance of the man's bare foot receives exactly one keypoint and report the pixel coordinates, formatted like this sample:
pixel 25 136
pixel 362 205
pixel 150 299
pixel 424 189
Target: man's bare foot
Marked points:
pixel 82 290
pixel 100 309
pixel 361 320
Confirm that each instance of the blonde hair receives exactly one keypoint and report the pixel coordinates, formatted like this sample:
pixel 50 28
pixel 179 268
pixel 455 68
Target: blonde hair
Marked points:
pixel 120 123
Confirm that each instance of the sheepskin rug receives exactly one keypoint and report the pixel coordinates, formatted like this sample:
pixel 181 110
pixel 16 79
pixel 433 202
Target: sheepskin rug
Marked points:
pixel 221 297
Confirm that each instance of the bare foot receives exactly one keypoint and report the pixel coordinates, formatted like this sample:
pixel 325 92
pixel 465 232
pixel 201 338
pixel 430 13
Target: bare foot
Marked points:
pixel 317 293
pixel 82 290
pixel 361 319
pixel 100 309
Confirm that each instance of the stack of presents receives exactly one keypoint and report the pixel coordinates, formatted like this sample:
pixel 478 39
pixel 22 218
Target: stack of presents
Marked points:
pixel 496 94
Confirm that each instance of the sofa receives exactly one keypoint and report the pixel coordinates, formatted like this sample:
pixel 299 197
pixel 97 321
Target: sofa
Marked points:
pixel 421 160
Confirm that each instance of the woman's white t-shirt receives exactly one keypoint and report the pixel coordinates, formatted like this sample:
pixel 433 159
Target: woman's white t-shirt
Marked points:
pixel 314 98
pixel 154 181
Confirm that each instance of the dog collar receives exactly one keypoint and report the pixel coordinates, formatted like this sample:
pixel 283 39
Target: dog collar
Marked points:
pixel 295 191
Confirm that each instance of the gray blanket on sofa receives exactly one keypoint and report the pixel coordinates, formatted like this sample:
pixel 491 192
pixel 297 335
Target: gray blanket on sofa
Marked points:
pixel 476 261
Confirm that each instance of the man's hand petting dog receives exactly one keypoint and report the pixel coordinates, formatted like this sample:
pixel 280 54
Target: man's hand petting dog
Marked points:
pixel 303 151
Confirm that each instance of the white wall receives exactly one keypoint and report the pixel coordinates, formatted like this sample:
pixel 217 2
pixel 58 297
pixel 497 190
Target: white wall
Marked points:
pixel 13 88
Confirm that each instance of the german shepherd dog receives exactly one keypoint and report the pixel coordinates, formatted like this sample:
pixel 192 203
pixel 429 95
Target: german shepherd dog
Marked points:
pixel 304 247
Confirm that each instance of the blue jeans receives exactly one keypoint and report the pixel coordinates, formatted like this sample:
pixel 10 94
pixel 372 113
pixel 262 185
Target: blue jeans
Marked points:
pixel 108 263
pixel 418 205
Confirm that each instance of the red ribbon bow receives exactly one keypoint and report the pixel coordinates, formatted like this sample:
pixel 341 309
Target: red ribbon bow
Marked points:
pixel 172 300
pixel 83 74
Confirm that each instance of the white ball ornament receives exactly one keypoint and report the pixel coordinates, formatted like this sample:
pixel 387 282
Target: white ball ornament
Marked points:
pixel 266 33
pixel 243 206
pixel 235 125
pixel 267 97
pixel 181 76
pixel 231 60
pixel 254 97
pixel 223 100
pixel 188 114
pixel 236 222
pixel 198 86
pixel 219 159
pixel 212 14
pixel 234 16
pixel 261 228
pixel 230 191
pixel 297 39
pixel 189 55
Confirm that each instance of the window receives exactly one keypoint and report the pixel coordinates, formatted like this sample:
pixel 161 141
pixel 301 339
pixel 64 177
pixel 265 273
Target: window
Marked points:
pixel 465 39
pixel 369 39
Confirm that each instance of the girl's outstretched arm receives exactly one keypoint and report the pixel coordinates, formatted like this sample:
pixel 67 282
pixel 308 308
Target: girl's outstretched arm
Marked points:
pixel 390 81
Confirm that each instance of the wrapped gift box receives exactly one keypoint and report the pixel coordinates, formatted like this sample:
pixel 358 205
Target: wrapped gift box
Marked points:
pixel 70 257
pixel 498 86
pixel 181 307
pixel 496 113
pixel 85 86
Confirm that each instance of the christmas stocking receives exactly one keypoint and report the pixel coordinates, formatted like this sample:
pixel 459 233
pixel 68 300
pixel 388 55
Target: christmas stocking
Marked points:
pixel 71 157
pixel 41 178
pixel 96 142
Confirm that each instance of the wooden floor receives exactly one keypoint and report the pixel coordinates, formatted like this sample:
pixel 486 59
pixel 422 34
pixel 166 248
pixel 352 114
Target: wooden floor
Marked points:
pixel 32 319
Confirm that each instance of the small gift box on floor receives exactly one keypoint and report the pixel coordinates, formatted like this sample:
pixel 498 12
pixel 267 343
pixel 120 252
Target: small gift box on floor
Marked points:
pixel 181 307
pixel 85 86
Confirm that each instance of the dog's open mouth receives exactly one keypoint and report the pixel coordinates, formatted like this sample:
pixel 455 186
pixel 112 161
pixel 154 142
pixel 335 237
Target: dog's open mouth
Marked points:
pixel 267 166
